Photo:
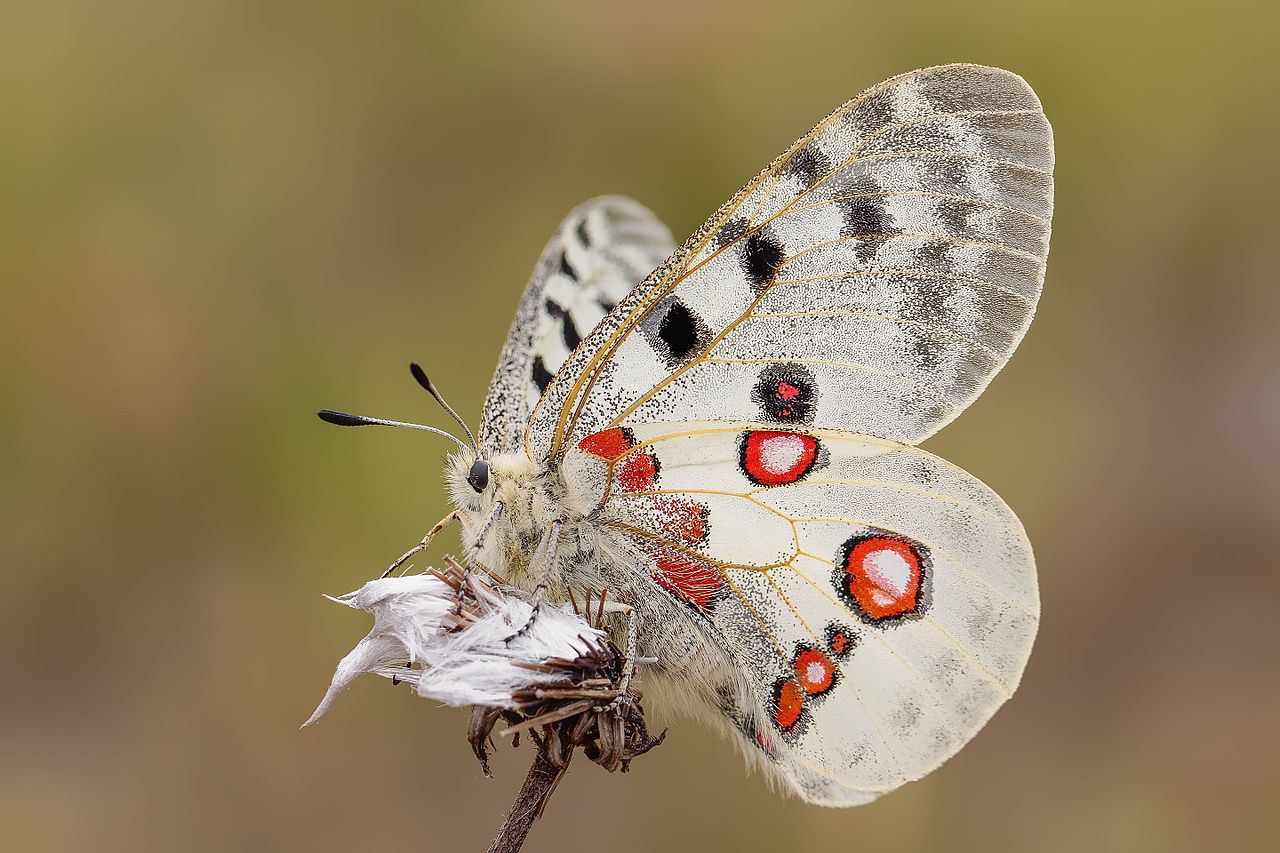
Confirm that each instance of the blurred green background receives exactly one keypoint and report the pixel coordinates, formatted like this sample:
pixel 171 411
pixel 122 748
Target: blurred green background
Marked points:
pixel 216 218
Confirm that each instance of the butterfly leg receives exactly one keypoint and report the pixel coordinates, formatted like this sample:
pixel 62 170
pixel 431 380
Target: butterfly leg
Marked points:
pixel 629 663
pixel 482 533
pixel 544 558
pixel 473 553
pixel 424 544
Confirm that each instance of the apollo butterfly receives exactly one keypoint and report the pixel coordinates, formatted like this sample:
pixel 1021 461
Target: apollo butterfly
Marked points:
pixel 724 434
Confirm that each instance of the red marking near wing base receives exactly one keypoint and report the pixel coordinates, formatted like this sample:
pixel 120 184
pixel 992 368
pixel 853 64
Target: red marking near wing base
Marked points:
pixel 687 578
pixel 608 445
pixel 816 672
pixel 680 518
pixel 777 458
pixel 883 574
pixel 638 472
pixel 788 705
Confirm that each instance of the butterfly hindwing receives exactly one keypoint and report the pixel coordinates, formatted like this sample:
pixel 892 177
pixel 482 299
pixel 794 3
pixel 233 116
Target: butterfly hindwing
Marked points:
pixel 598 254
pixel 893 257
pixel 879 602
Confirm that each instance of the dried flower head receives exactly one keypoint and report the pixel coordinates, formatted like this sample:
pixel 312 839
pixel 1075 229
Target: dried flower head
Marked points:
pixel 466 639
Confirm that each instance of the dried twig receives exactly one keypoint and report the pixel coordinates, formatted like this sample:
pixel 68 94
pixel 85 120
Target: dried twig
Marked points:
pixel 530 802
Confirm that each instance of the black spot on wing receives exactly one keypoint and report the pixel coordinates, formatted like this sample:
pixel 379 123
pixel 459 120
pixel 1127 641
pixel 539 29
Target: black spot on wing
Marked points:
pixel 809 165
pixel 762 256
pixel 678 331
pixel 786 393
pixel 730 231
pixel 675 332
pixel 864 216
pixel 606 305
pixel 875 112
pixel 947 174
pixel 565 268
pixel 934 255
pixel 568 331
pixel 583 237
pixel 541 376
pixel 954 214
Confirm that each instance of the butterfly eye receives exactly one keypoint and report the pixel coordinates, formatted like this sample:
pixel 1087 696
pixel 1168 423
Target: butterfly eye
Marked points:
pixel 479 475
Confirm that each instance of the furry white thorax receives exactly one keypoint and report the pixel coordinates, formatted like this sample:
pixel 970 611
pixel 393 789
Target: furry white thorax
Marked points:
pixel 532 498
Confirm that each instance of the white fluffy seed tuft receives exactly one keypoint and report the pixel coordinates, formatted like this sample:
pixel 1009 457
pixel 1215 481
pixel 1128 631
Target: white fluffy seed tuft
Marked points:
pixel 480 658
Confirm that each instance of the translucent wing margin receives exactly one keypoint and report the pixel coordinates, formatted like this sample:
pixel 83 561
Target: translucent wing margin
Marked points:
pixel 879 603
pixel 601 250
pixel 886 266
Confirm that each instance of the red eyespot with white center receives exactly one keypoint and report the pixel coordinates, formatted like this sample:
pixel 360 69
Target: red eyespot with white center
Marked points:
pixel 814 670
pixel 771 458
pixel 882 576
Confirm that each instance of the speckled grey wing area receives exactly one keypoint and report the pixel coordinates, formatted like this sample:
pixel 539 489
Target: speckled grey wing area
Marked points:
pixel 601 250
pixel 885 266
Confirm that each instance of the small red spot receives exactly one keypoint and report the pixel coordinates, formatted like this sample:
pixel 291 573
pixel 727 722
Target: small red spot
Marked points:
pixel 883 575
pixel 686 578
pixel 778 458
pixel 789 699
pixel 815 671
pixel 764 742
pixel 787 391
pixel 638 472
pixel 840 643
pixel 609 444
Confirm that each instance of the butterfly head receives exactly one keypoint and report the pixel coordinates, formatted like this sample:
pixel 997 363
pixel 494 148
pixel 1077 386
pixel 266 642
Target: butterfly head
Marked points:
pixel 478 476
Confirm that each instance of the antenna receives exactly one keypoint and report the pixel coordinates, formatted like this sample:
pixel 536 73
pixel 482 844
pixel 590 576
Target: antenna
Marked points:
pixel 344 419
pixel 421 375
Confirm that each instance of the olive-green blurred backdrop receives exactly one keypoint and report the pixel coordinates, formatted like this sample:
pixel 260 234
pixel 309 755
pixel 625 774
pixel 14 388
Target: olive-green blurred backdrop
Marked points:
pixel 216 218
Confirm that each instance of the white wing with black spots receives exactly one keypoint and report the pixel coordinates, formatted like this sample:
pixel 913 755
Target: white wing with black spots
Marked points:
pixel 892 258
pixel 601 250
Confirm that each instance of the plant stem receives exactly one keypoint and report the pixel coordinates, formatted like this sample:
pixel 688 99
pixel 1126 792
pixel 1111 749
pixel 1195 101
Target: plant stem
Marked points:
pixel 538 785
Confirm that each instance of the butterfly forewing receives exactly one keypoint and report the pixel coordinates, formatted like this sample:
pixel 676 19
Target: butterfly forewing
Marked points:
pixel 893 256
pixel 601 250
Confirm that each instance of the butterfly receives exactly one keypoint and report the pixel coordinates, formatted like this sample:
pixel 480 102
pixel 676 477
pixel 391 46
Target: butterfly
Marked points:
pixel 723 434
